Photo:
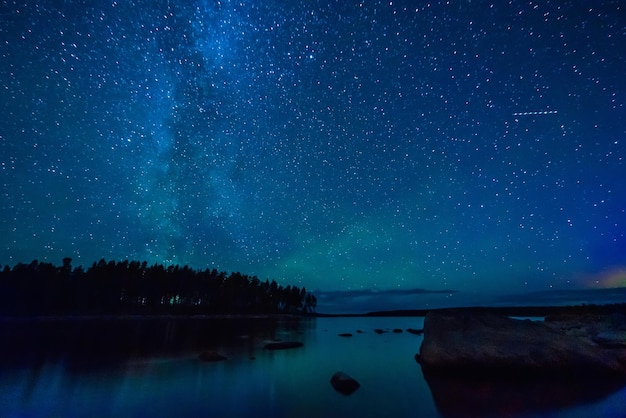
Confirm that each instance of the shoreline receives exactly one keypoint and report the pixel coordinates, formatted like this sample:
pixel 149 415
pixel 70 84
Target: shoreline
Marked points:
pixel 136 317
pixel 523 311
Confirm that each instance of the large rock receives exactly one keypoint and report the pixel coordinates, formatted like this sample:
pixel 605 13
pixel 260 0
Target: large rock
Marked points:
pixel 464 340
pixel 343 383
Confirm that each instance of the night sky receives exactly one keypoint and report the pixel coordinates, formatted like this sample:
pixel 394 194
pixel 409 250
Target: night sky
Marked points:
pixel 376 147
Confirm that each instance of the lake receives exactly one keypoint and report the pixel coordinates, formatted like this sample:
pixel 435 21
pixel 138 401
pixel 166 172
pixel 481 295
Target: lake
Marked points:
pixel 149 367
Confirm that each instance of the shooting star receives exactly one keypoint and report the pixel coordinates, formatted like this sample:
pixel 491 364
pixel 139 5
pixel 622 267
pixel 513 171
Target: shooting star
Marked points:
pixel 538 112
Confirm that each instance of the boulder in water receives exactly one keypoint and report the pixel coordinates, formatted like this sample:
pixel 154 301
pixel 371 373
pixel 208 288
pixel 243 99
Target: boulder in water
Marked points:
pixel 343 383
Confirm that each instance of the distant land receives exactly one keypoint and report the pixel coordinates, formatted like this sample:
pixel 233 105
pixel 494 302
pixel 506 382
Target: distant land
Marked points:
pixel 530 311
pixel 375 300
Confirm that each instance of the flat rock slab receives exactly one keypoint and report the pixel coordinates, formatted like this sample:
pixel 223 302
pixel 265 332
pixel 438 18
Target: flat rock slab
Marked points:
pixel 464 340
pixel 283 345
pixel 344 384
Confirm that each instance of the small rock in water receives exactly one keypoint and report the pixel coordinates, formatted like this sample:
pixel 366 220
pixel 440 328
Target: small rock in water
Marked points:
pixel 397 330
pixel 358 331
pixel 345 334
pixel 379 331
pixel 415 331
pixel 282 345
pixel 343 383
pixel 211 356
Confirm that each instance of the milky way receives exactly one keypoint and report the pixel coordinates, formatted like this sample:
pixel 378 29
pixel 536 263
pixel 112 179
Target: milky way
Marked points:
pixel 472 146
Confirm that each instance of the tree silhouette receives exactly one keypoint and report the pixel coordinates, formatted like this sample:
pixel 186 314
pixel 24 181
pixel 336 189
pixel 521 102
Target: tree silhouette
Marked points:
pixel 133 287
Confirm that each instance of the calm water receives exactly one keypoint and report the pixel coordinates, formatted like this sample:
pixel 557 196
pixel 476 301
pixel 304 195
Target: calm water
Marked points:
pixel 150 369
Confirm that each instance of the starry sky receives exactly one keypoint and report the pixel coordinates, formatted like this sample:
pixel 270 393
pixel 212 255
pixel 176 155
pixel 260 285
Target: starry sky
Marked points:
pixel 441 148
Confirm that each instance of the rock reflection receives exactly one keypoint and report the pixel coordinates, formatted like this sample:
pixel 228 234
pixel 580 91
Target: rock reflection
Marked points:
pixel 499 396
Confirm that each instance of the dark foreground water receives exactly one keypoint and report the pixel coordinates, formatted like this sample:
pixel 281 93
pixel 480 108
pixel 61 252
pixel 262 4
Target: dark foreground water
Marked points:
pixel 149 368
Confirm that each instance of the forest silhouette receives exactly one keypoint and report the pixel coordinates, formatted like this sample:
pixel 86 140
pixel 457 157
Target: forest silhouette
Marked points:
pixel 135 288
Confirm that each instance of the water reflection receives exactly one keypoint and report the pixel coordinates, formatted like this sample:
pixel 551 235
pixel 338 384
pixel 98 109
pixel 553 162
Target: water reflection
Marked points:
pixel 150 368
pixel 139 368
pixel 95 342
pixel 462 396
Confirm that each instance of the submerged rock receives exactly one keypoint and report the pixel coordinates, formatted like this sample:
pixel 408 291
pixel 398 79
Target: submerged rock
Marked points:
pixel 343 383
pixel 415 331
pixel 397 330
pixel 465 340
pixel 211 356
pixel 282 345
pixel 345 334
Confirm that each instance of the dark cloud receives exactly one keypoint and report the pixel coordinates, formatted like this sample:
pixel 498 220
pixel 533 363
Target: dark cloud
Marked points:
pixel 368 300
pixel 565 297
